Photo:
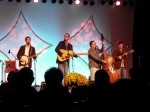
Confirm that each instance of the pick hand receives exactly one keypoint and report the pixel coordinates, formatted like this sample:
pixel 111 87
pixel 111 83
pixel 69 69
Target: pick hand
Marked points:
pixel 125 53
pixel 103 61
pixel 63 56
pixel 77 54
pixel 120 57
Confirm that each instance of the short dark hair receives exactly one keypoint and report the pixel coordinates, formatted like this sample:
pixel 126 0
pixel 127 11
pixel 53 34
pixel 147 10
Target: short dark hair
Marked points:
pixel 120 42
pixel 91 42
pixel 27 37
pixel 53 75
pixel 67 34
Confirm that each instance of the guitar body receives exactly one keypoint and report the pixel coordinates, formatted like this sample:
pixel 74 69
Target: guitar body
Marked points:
pixel 68 53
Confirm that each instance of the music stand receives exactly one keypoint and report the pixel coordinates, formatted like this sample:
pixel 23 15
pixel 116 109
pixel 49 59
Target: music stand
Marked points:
pixel 9 66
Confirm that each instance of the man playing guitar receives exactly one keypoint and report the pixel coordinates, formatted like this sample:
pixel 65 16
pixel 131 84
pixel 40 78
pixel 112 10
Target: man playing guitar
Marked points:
pixel 65 51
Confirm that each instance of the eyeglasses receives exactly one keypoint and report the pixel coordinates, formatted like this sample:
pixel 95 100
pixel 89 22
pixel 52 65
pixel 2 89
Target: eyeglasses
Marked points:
pixel 66 36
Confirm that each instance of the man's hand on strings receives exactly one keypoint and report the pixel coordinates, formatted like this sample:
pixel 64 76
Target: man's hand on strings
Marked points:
pixel 103 61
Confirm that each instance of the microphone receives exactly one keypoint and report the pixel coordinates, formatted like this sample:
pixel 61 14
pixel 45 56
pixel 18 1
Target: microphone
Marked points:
pixel 101 34
pixel 9 51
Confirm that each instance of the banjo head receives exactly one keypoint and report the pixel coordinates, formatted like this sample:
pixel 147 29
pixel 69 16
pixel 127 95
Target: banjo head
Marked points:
pixel 24 60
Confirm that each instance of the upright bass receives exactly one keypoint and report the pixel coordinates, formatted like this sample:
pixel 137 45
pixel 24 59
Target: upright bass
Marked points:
pixel 109 63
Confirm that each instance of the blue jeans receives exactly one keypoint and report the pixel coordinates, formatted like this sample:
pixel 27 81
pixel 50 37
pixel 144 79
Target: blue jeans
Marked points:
pixel 64 67
pixel 123 73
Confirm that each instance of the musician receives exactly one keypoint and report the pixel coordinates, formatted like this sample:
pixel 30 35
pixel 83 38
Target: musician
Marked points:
pixel 25 52
pixel 95 62
pixel 63 57
pixel 120 56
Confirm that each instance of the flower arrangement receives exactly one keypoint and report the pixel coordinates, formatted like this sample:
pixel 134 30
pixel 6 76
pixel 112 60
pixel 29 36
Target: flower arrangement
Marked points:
pixel 74 79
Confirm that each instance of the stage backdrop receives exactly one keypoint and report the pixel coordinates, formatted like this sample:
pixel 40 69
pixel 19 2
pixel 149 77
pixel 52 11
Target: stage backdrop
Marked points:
pixel 46 24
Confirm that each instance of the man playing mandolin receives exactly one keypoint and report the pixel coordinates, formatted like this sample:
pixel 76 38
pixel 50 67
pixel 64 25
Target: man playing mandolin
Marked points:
pixel 120 55
pixel 26 53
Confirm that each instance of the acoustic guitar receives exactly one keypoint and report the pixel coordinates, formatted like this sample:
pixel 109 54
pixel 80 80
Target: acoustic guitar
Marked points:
pixel 68 54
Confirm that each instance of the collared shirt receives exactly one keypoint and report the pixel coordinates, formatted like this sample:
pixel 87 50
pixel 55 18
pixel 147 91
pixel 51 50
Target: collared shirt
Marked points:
pixel 27 48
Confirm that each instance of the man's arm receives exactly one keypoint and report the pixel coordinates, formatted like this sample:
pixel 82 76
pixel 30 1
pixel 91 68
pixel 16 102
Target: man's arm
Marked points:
pixel 57 49
pixel 34 53
pixel 95 57
pixel 115 55
pixel 19 54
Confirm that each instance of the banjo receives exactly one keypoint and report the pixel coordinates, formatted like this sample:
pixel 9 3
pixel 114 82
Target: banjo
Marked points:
pixel 26 59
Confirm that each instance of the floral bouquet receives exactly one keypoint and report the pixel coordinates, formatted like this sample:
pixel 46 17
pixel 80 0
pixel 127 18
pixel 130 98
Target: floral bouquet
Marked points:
pixel 74 79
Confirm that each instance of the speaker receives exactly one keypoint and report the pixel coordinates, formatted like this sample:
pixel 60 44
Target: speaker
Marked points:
pixel 10 66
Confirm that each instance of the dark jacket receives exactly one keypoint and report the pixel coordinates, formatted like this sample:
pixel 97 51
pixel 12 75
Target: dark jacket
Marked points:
pixel 61 45
pixel 117 53
pixel 32 54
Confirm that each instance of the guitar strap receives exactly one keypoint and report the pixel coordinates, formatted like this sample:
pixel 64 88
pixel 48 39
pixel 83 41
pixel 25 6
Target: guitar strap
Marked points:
pixel 66 44
pixel 30 51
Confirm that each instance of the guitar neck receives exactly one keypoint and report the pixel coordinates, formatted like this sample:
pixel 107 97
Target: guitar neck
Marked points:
pixel 130 51
pixel 32 56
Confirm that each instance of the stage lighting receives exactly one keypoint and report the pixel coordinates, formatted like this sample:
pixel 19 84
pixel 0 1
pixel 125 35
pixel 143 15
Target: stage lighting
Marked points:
pixel 10 0
pixel 92 2
pixel 131 3
pixel 117 2
pixel 85 2
pixel 36 1
pixel 110 2
pixel 28 1
pixel 103 2
pixel 77 1
pixel 70 2
pixel 61 1
pixel 44 1
pixel 18 0
pixel 125 3
pixel 53 1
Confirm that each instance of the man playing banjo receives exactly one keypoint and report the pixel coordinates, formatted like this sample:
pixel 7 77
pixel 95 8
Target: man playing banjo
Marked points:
pixel 26 53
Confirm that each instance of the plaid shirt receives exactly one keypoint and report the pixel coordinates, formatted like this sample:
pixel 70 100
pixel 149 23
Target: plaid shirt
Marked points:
pixel 94 58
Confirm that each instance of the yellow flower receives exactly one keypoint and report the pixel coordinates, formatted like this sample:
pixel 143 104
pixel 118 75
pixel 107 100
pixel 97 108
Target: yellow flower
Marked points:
pixel 75 79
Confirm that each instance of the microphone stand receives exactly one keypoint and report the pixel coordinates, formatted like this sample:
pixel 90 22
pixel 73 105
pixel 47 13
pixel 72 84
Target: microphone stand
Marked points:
pixel 35 71
pixel 72 64
pixel 2 71
pixel 12 54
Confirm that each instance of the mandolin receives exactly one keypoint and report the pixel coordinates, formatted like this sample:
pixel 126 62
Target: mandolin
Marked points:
pixel 125 53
